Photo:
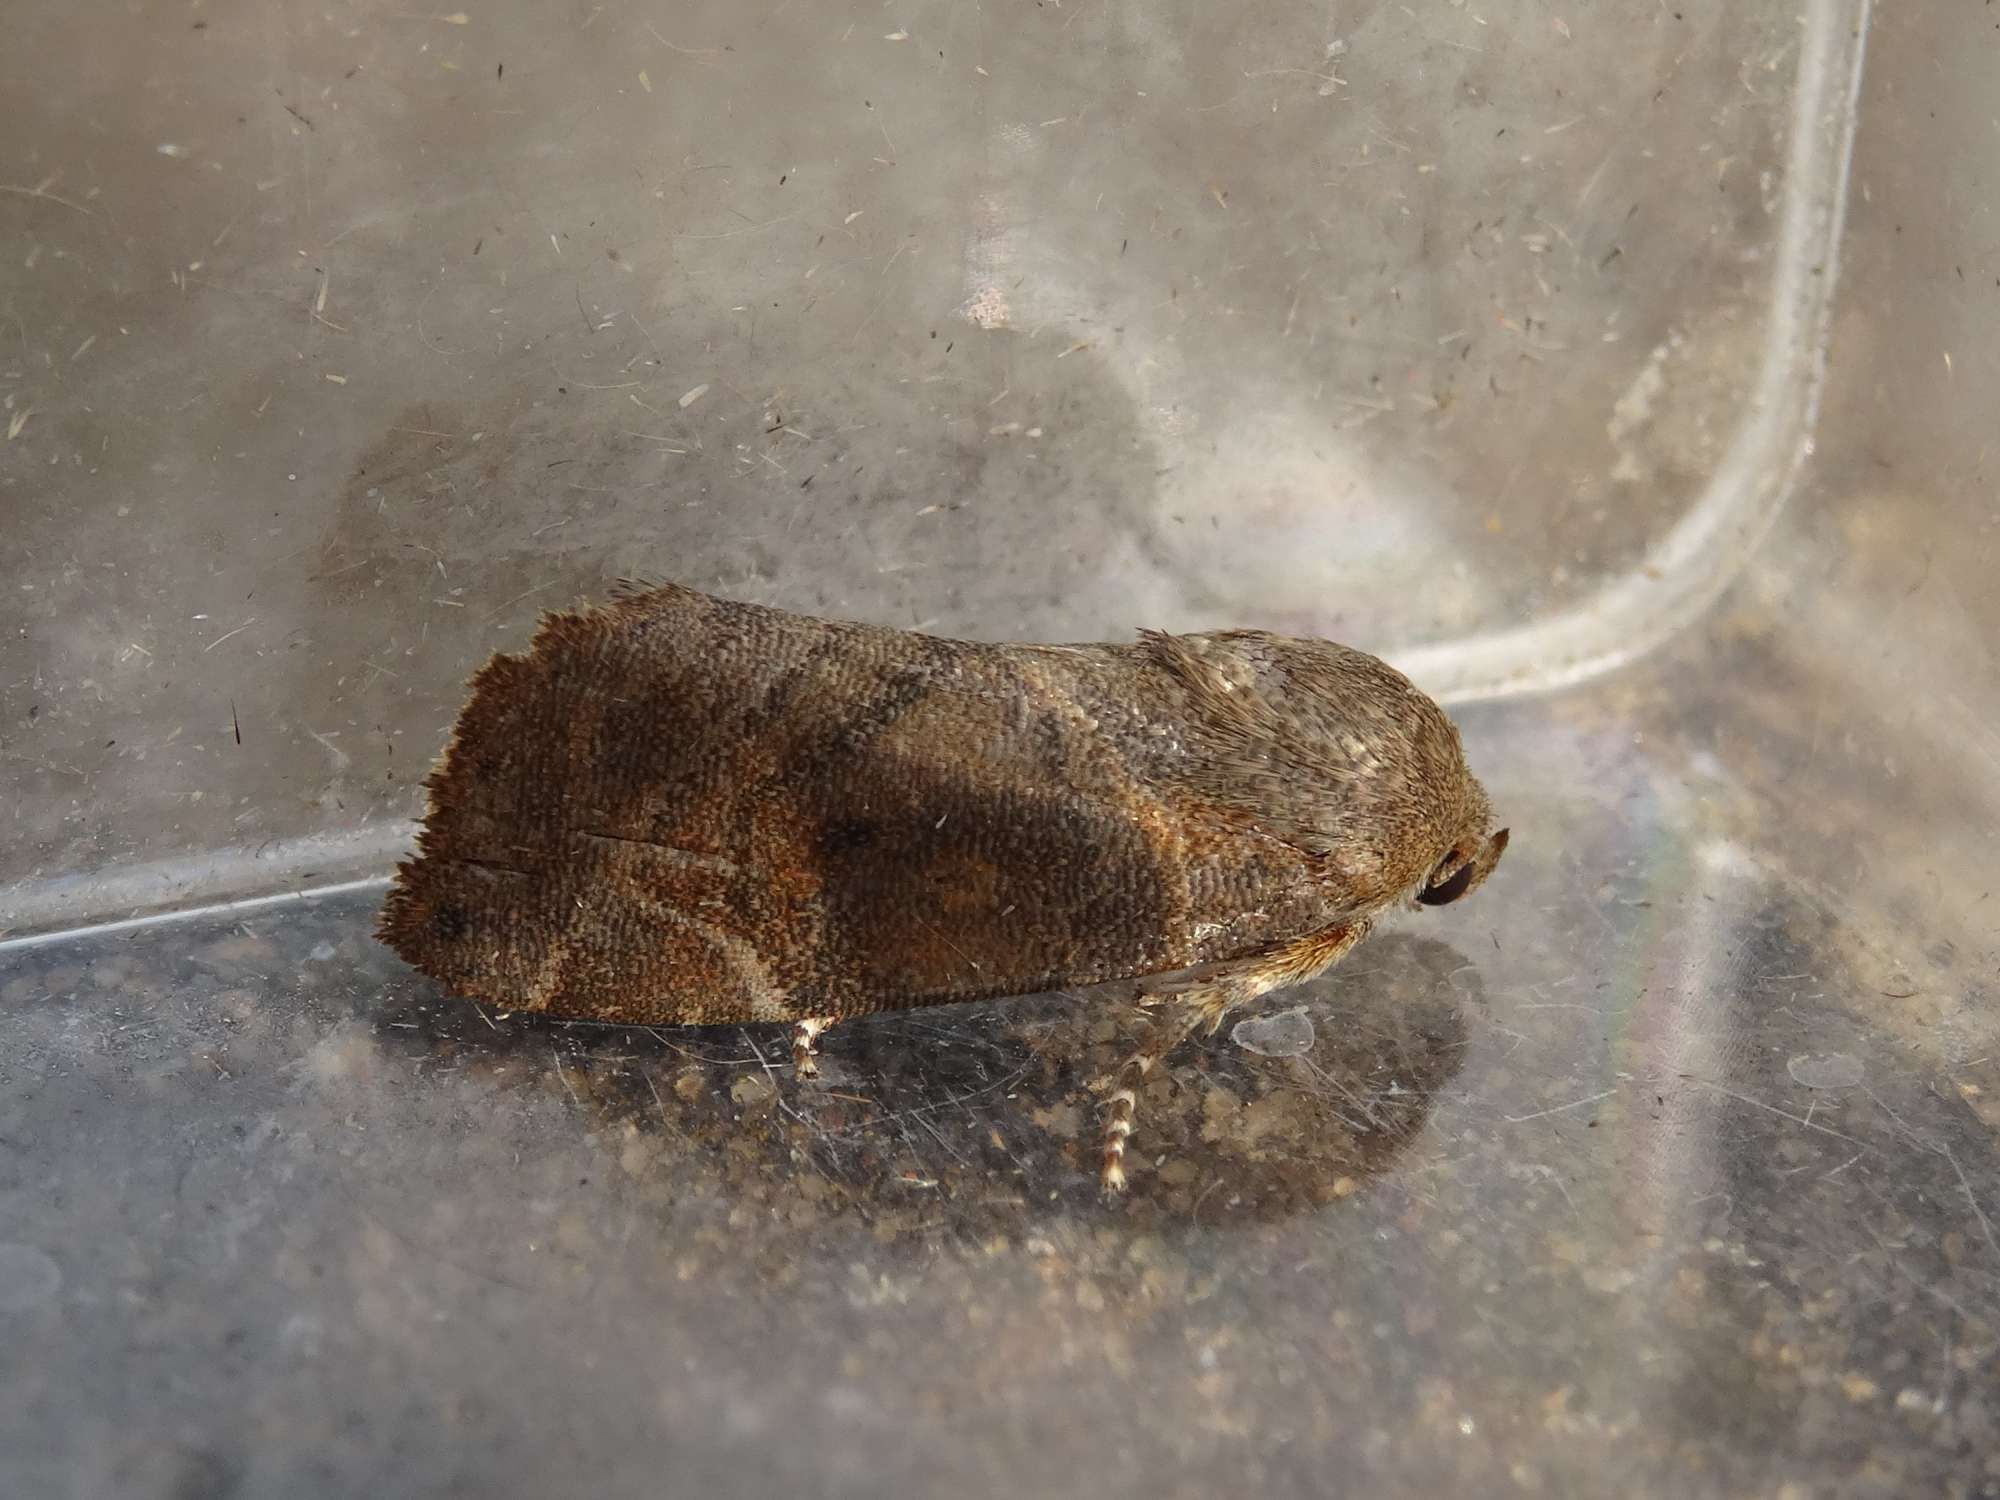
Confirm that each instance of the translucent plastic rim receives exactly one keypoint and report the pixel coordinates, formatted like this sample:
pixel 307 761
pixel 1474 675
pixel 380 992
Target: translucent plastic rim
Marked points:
pixel 1675 583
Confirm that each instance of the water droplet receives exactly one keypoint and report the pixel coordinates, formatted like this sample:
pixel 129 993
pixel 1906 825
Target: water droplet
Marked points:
pixel 1287 1034
pixel 1825 1070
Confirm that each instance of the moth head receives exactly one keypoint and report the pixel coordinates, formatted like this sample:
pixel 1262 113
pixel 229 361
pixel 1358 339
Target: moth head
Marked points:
pixel 1464 866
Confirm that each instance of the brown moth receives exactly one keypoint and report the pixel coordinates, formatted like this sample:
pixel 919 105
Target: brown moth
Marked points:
pixel 675 809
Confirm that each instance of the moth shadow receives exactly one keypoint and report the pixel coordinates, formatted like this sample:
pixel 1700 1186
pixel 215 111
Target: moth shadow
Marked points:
pixel 982 1119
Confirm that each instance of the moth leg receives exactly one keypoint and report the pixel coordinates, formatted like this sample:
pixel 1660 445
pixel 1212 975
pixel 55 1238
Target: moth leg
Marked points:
pixel 1183 1007
pixel 1172 1025
pixel 805 1044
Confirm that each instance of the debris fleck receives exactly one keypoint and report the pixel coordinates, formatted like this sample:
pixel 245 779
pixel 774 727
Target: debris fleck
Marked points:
pixel 751 1089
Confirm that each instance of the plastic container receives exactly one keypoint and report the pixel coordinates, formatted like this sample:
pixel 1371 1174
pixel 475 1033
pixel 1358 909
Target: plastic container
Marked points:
pixel 344 343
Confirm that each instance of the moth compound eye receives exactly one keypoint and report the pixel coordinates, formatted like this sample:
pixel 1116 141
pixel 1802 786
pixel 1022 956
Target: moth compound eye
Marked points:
pixel 1444 892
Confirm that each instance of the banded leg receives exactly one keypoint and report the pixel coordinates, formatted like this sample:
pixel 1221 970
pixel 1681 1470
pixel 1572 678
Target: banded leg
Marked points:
pixel 1173 1022
pixel 805 1044
pixel 1202 1001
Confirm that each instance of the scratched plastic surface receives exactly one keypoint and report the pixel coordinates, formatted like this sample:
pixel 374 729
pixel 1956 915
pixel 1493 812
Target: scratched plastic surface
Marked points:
pixel 1626 371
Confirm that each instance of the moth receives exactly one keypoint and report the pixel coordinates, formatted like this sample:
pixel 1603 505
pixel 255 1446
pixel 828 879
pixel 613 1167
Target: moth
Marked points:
pixel 677 809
